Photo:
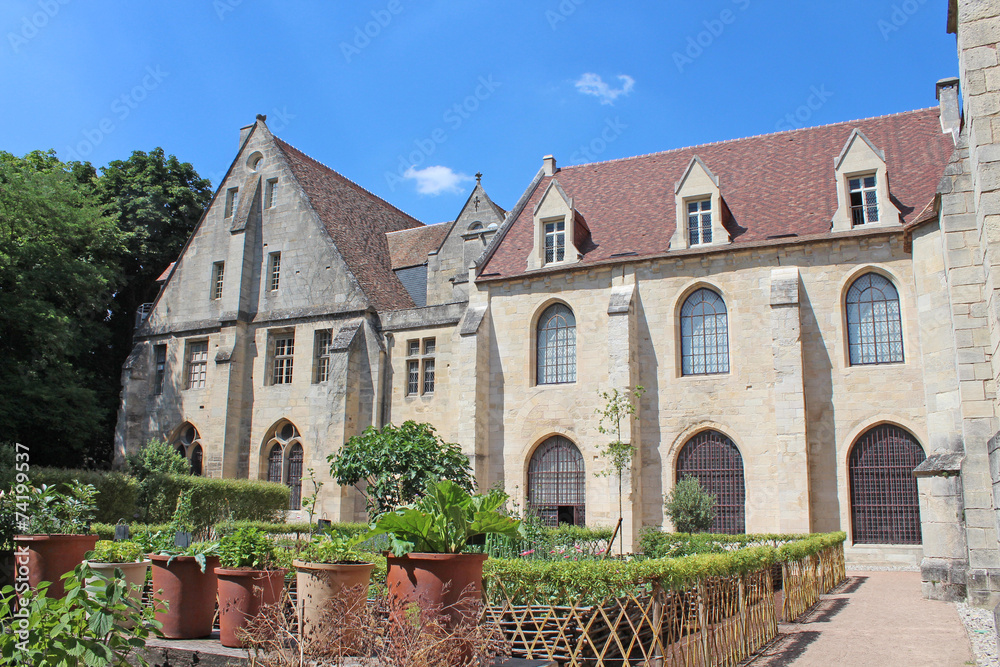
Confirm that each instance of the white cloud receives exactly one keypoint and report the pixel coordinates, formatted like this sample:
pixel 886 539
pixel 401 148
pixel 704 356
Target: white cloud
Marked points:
pixel 436 179
pixel 593 84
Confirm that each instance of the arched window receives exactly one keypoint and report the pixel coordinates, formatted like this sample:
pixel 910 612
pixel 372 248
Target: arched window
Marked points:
pixel 713 459
pixel 295 476
pixel 704 334
pixel 274 464
pixel 874 331
pixel 884 505
pixel 196 459
pixel 556 483
pixel 556 361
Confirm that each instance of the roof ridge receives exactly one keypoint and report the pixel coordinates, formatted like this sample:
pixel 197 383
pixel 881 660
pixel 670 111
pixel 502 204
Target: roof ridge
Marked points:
pixel 347 180
pixel 752 136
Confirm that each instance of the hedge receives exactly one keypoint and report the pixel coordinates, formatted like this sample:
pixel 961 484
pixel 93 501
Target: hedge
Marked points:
pixel 117 496
pixel 592 581
pixel 655 543
pixel 299 528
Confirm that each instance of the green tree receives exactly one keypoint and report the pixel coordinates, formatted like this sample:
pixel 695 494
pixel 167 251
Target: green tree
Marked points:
pixel 152 465
pixel 395 463
pixel 59 257
pixel 618 406
pixel 690 507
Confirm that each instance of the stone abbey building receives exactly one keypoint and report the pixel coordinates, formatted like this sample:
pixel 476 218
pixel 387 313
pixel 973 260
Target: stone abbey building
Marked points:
pixel 813 314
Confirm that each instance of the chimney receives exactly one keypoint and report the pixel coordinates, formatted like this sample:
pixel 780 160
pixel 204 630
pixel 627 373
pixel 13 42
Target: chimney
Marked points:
pixel 244 133
pixel 549 165
pixel 951 117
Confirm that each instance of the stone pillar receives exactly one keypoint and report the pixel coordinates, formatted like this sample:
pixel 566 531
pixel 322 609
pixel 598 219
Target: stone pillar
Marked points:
pixel 472 360
pixel 939 486
pixel 621 376
pixel 789 403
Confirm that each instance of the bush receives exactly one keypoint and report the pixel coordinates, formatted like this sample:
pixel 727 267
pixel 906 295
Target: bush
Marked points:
pixel 689 507
pixel 152 466
pixel 655 543
pixel 8 467
pixel 117 493
pixel 214 500
pixel 298 528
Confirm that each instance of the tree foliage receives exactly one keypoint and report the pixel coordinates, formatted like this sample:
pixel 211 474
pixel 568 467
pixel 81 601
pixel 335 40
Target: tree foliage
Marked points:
pixel 690 507
pixel 394 464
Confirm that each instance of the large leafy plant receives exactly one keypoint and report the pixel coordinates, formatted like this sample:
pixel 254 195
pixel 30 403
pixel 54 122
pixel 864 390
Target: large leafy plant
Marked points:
pixel 391 466
pixel 89 626
pixel 164 542
pixel 445 519
pixel 47 511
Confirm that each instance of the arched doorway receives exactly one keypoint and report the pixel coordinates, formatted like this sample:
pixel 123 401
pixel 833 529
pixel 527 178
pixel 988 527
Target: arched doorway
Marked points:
pixel 884 505
pixel 557 483
pixel 714 460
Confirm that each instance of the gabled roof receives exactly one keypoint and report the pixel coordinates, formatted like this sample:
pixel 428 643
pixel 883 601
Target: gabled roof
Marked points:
pixel 775 185
pixel 409 247
pixel 358 222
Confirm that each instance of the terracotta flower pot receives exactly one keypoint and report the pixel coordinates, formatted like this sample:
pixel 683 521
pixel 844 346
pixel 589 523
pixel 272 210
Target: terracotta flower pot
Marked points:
pixel 242 593
pixel 189 592
pixel 135 578
pixel 451 583
pixel 52 556
pixel 317 584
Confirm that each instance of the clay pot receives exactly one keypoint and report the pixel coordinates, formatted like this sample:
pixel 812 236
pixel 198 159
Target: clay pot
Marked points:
pixel 52 556
pixel 189 592
pixel 316 585
pixel 451 583
pixel 242 593
pixel 134 574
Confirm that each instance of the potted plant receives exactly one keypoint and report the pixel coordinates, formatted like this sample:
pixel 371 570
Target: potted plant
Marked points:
pixel 184 575
pixel 249 579
pixel 54 529
pixel 428 565
pixel 119 560
pixel 329 569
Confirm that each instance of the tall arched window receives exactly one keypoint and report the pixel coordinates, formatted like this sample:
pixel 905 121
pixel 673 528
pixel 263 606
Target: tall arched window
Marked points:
pixel 295 476
pixel 704 334
pixel 187 442
pixel 197 456
pixel 274 464
pixel 874 331
pixel 557 483
pixel 556 362
pixel 713 459
pixel 884 504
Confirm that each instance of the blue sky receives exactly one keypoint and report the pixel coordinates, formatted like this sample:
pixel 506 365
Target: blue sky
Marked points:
pixel 412 99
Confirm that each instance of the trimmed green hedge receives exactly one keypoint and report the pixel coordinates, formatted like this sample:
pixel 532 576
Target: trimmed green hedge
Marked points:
pixel 214 500
pixel 592 581
pixel 299 528
pixel 655 543
pixel 117 493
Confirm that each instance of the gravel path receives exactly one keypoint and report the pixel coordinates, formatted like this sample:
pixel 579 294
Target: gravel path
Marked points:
pixel 982 633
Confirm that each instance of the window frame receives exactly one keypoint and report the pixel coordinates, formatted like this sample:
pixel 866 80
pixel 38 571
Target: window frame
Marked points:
pixel 863 190
pixel 218 279
pixel 159 368
pixel 322 342
pixel 192 348
pixel 563 364
pixel 282 363
pixel 881 349
pixel 558 236
pixel 232 201
pixel 273 271
pixel 703 220
pixel 718 362
pixel 270 187
pixel 420 366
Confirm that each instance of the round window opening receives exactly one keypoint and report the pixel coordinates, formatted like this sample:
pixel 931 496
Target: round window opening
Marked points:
pixel 287 432
pixel 254 161
pixel 188 435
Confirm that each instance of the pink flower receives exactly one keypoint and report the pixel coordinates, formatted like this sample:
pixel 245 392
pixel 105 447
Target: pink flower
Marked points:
pixel 529 551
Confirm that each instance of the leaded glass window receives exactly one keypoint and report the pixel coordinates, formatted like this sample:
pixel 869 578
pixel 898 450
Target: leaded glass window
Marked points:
pixel 699 222
pixel 556 362
pixel 704 334
pixel 874 328
pixel 555 241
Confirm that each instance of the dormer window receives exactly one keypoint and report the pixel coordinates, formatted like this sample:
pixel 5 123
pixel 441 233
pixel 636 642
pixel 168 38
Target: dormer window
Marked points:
pixel 555 241
pixel 864 200
pixel 699 215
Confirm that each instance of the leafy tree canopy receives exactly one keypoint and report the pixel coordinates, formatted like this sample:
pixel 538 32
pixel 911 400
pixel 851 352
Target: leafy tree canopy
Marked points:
pixel 395 463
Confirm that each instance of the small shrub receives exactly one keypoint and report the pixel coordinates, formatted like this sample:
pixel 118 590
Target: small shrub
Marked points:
pixel 689 507
pixel 214 500
pixel 153 465
pixel 247 548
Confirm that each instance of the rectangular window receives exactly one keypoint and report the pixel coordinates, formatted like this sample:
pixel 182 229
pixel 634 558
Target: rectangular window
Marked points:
pixel 864 200
pixel 232 196
pixel 272 185
pixel 699 222
pixel 412 377
pixel 324 339
pixel 429 346
pixel 197 362
pixel 428 376
pixel 555 241
pixel 273 270
pixel 160 362
pixel 218 271
pixel 281 366
pixel 412 348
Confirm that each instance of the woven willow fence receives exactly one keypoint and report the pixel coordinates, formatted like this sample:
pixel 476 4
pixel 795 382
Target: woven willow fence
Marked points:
pixel 714 620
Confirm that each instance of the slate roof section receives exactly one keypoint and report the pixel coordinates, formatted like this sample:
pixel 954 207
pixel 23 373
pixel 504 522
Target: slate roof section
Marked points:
pixel 357 221
pixel 774 185
pixel 409 247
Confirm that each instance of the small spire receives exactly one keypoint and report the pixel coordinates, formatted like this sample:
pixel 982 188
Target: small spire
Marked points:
pixel 479 177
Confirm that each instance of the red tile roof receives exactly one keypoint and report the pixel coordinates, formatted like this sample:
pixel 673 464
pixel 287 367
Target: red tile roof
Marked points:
pixel 357 222
pixel 774 185
pixel 409 247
